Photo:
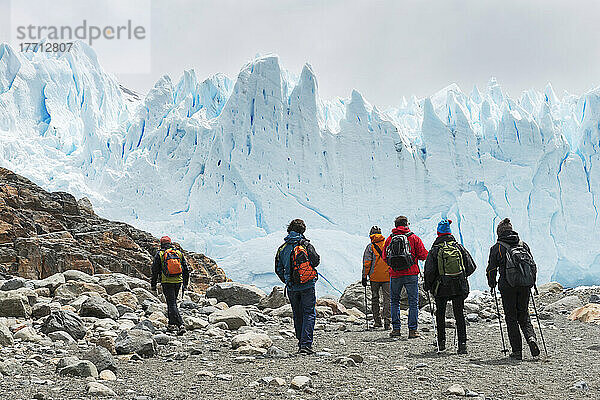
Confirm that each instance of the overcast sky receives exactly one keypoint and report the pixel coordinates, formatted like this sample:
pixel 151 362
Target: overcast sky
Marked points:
pixel 384 49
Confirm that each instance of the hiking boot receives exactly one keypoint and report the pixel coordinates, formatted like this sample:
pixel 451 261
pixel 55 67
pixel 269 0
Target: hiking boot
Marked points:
pixel 462 348
pixel 395 333
pixel 377 324
pixel 533 347
pixel 181 331
pixel 306 350
pixel 413 334
pixel 386 325
pixel 516 355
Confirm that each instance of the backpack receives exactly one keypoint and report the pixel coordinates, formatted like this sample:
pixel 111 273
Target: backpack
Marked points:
pixel 449 258
pixel 304 261
pixel 171 262
pixel 520 267
pixel 398 252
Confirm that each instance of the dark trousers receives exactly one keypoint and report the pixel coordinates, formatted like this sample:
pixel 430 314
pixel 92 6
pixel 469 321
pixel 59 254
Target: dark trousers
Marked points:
pixel 458 306
pixel 516 311
pixel 171 291
pixel 385 292
pixel 304 312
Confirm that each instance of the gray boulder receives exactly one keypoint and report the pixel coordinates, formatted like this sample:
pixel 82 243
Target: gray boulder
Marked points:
pixel 233 293
pixel 13 304
pixel 64 320
pixel 98 307
pixel 101 358
pixel 354 297
pixel 13 284
pixel 75 275
pixel 114 283
pixel 235 317
pixel 136 341
pixel 275 299
pixel 51 282
pixel 83 369
pixel 566 304
pixel 6 338
pixel 61 336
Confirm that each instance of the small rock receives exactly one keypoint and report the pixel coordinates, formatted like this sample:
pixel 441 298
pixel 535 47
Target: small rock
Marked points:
pixel 276 352
pixel 204 373
pixel 82 369
pixel 357 358
pixel 98 389
pixel 225 377
pixel 472 317
pixel 301 382
pixel 456 390
pixel 101 358
pixel 28 334
pixel 594 298
pixel 581 385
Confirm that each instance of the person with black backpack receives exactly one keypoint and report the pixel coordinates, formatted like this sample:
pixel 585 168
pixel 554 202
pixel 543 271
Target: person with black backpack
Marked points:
pixel 447 268
pixel 296 265
pixel 402 251
pixel 170 265
pixel 378 273
pixel 511 259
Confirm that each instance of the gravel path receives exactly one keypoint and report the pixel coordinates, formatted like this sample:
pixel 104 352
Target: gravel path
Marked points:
pixel 391 368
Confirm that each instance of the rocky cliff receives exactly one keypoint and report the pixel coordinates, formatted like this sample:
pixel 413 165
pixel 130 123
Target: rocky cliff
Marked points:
pixel 43 233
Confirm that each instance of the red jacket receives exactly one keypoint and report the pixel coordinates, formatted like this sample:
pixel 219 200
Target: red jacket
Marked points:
pixel 417 250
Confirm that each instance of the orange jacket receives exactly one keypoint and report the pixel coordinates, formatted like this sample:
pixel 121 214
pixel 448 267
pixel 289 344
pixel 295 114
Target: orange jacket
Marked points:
pixel 373 264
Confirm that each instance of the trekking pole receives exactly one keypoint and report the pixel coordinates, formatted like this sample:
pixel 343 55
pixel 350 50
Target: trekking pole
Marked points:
pixel 538 319
pixel 366 309
pixel 437 344
pixel 499 322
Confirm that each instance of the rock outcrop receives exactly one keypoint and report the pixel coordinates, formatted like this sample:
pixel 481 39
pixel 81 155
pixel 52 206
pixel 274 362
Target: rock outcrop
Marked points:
pixel 44 233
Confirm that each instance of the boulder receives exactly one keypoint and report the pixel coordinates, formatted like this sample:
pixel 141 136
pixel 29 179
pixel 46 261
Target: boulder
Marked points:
pixel 336 307
pixel 13 284
pixel 283 311
pixel 252 339
pixel 235 317
pixel 75 275
pixel 193 323
pixel 101 358
pixel 114 283
pixel 233 293
pixel 13 304
pixel 136 341
pixel 99 308
pixel 6 338
pixel 100 390
pixel 301 382
pixel 64 320
pixel 354 297
pixel 125 298
pixel 61 336
pixel 275 299
pixel 51 282
pixel 144 295
pixel 27 334
pixel 73 289
pixel 83 369
pixel 566 304
pixel 550 287
pixel 588 313
pixel 145 325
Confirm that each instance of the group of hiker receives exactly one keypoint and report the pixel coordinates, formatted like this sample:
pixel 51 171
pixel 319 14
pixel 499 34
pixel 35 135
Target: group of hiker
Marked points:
pixel 390 264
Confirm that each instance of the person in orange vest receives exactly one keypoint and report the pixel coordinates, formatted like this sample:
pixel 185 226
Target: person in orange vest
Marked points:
pixel 376 269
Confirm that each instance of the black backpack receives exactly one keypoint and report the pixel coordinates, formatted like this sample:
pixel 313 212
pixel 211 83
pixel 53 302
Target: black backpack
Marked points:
pixel 313 257
pixel 398 252
pixel 520 267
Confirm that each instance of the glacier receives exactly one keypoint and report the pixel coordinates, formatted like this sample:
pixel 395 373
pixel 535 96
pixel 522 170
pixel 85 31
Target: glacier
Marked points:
pixel 223 165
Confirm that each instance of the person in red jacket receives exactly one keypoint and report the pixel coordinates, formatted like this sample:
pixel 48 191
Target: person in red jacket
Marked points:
pixel 408 278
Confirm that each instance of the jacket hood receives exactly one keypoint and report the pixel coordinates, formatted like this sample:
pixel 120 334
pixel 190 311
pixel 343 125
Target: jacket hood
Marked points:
pixel 293 237
pixel 444 238
pixel 401 230
pixel 377 238
pixel 509 236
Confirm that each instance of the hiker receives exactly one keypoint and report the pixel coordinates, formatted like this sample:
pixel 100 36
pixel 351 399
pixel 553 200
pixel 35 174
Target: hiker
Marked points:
pixel 447 268
pixel 169 263
pixel 296 265
pixel 375 268
pixel 402 251
pixel 512 260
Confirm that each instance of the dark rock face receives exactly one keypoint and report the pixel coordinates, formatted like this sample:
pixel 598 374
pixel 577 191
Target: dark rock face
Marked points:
pixel 64 320
pixel 43 233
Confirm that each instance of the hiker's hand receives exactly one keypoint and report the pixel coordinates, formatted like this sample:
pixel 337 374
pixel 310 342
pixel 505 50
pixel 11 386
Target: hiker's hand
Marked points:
pixel 364 281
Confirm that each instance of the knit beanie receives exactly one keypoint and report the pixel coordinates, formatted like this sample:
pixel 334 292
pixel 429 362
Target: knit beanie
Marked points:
pixel 374 230
pixel 443 227
pixel 503 226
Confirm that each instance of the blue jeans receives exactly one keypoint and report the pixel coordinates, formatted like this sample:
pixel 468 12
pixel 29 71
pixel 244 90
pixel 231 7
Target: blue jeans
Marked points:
pixel 304 312
pixel 411 283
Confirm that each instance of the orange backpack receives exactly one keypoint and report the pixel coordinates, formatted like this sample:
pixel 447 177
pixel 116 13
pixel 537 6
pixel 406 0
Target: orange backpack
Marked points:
pixel 302 270
pixel 171 262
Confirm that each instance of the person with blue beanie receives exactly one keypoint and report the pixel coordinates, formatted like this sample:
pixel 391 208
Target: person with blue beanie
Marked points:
pixel 447 268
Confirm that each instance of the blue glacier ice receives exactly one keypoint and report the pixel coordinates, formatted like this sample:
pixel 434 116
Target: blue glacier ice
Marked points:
pixel 223 165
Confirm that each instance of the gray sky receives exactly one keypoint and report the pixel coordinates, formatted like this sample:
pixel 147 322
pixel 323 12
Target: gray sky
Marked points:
pixel 384 49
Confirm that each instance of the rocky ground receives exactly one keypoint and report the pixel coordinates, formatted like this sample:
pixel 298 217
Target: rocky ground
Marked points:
pixel 82 336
